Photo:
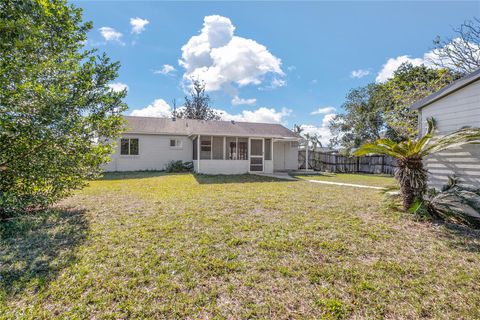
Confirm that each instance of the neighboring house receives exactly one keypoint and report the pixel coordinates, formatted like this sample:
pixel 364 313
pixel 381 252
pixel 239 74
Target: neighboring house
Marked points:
pixel 453 107
pixel 215 147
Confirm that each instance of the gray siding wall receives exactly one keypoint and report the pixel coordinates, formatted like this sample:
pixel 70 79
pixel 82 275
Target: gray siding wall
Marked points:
pixel 285 156
pixel 154 153
pixel 457 110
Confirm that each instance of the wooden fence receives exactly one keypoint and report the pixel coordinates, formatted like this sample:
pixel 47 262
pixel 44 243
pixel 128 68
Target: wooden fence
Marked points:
pixel 325 161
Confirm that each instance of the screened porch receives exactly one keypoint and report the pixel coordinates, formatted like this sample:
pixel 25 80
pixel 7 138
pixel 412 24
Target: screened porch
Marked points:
pixel 232 155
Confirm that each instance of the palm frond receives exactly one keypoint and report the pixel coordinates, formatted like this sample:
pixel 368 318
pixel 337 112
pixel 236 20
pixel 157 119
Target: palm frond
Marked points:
pixel 454 139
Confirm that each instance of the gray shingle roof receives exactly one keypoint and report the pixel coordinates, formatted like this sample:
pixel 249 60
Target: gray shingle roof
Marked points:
pixel 150 125
pixel 452 87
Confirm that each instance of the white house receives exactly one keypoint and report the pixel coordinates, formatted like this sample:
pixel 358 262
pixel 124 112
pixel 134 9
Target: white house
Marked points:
pixel 453 107
pixel 215 147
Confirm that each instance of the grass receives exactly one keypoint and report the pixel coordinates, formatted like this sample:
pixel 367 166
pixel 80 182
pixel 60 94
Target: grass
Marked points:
pixel 374 180
pixel 150 245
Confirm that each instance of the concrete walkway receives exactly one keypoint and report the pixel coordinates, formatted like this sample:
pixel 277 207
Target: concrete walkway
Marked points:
pixel 347 184
pixel 286 176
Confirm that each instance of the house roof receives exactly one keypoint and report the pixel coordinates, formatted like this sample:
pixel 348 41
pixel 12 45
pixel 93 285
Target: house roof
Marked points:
pixel 151 125
pixel 452 87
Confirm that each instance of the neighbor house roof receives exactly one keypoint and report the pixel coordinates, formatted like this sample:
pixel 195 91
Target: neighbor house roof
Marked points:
pixel 452 87
pixel 150 125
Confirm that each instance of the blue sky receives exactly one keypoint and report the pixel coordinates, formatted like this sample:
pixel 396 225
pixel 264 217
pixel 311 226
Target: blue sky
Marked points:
pixel 264 61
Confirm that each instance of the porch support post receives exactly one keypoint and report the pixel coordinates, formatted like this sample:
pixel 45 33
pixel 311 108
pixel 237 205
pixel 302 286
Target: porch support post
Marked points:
pixel 224 147
pixel 306 157
pixel 198 154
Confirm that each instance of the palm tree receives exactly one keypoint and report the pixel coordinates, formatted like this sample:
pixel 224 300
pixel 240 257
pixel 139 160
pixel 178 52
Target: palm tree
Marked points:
pixel 410 173
pixel 297 128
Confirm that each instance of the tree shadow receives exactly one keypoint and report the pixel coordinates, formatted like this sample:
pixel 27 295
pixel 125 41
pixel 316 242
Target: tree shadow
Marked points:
pixel 34 249
pixel 237 178
pixel 124 175
pixel 460 237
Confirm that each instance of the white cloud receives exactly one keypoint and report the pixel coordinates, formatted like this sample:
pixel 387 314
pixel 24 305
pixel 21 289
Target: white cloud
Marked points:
pixel 277 83
pixel 393 63
pixel 323 131
pixel 166 69
pixel 110 34
pixel 222 59
pixel 360 73
pixel 291 68
pixel 158 108
pixel 428 59
pixel 264 115
pixel 118 86
pixel 138 24
pixel 239 101
pixel 324 110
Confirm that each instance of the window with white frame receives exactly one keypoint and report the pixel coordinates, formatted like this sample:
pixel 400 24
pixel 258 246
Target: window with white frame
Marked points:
pixel 129 147
pixel 176 144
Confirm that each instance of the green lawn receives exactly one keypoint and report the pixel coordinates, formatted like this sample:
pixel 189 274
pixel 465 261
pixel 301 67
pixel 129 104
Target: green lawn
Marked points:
pixel 149 245
pixel 374 180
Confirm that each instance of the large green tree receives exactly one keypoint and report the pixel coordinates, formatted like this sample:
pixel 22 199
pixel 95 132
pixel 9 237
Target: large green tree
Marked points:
pixel 57 112
pixel 408 85
pixel 382 110
pixel 363 118
pixel 197 105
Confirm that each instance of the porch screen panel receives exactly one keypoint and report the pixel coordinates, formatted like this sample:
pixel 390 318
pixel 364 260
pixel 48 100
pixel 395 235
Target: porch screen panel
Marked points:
pixel 242 149
pixel 205 148
pixel 217 148
pixel 231 152
pixel 268 149
pixel 256 147
pixel 195 142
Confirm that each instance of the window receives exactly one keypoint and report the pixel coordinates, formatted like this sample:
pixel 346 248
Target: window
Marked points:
pixel 231 152
pixel 242 149
pixel 175 144
pixel 129 147
pixel 236 148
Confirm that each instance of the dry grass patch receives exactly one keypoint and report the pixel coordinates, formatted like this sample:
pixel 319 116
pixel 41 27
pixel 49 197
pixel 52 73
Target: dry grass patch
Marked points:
pixel 149 245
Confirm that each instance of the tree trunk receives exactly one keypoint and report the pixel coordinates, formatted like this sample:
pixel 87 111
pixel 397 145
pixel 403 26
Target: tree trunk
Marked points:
pixel 408 195
pixel 412 177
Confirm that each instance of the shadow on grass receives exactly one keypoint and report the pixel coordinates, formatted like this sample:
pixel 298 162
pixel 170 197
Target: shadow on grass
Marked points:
pixel 461 237
pixel 238 178
pixel 124 175
pixel 35 249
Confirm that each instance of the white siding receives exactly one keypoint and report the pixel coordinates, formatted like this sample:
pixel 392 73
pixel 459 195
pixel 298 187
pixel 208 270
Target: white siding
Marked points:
pixel 154 153
pixel 222 166
pixel 285 156
pixel 457 110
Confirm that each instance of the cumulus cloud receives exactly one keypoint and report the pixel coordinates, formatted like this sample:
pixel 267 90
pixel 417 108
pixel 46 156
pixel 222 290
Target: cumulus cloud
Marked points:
pixel 324 110
pixel 239 101
pixel 118 86
pixel 392 65
pixel 264 115
pixel 222 59
pixel 138 24
pixel 360 73
pixel 110 34
pixel 323 131
pixel 166 69
pixel 158 108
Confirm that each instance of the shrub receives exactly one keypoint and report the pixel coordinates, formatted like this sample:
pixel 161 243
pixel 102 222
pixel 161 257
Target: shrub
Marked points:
pixel 179 166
